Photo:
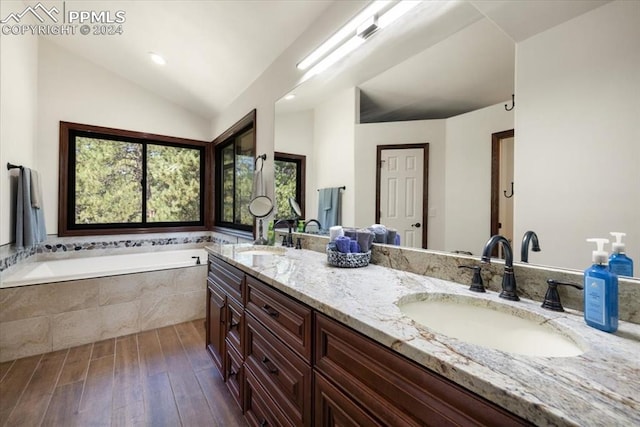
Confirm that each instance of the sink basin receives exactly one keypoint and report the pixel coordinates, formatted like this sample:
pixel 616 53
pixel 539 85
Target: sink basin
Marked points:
pixel 261 250
pixel 490 324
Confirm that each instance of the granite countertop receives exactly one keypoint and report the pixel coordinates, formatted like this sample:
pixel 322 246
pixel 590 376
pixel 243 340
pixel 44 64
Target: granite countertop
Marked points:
pixel 599 387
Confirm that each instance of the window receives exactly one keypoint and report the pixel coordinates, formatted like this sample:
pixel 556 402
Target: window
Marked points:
pixel 234 163
pixel 113 180
pixel 289 174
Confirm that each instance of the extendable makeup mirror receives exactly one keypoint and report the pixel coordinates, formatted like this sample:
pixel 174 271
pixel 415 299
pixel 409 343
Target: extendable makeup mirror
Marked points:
pixel 260 207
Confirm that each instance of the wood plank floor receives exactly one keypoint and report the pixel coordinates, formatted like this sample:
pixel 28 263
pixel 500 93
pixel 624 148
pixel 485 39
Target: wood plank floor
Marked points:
pixel 162 377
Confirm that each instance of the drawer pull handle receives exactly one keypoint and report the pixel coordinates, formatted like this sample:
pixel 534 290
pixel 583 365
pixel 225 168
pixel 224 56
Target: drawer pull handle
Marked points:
pixel 272 369
pixel 264 423
pixel 234 325
pixel 232 373
pixel 270 311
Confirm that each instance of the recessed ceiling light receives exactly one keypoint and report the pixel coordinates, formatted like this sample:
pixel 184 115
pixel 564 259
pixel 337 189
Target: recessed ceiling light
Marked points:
pixel 290 97
pixel 158 59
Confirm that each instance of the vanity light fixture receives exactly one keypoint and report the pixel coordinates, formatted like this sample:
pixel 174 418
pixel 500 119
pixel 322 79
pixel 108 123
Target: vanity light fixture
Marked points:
pixel 158 59
pixel 377 15
pixel 290 97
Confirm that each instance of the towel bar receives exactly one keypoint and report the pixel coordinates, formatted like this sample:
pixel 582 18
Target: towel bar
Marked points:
pixel 12 166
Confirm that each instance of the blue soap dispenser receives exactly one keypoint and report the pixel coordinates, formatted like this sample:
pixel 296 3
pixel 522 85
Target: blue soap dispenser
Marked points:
pixel 619 262
pixel 600 291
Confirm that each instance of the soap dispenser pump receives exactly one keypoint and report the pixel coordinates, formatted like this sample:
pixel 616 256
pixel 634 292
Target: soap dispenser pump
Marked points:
pixel 619 262
pixel 600 291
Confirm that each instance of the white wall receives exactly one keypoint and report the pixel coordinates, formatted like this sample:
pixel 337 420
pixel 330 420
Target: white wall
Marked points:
pixel 74 90
pixel 294 135
pixel 468 176
pixel 577 122
pixel 334 151
pixel 18 112
pixel 369 136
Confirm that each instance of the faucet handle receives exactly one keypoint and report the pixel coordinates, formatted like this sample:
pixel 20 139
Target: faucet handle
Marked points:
pixel 476 282
pixel 552 297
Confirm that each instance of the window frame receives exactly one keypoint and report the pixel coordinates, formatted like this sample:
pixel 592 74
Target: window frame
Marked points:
pixel 66 200
pixel 248 122
pixel 301 168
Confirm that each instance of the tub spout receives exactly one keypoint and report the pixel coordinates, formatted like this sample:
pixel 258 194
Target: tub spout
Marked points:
pixel 197 258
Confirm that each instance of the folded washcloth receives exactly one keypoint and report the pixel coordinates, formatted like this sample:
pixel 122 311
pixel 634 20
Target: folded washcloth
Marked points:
pixel 335 231
pixel 391 236
pixel 380 233
pixel 365 239
pixel 350 233
pixel 331 246
pixel 343 244
pixel 354 247
pixel 397 240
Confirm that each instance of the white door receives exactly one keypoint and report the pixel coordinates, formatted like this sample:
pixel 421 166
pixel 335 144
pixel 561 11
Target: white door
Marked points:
pixel 401 193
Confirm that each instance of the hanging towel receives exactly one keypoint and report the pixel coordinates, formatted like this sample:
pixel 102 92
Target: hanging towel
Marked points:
pixel 329 207
pixel 258 184
pixel 30 226
pixel 36 190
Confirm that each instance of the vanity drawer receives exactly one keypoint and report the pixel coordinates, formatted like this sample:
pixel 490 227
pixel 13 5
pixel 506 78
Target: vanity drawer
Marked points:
pixel 228 277
pixel 284 374
pixel 287 319
pixel 233 373
pixel 260 410
pixel 394 389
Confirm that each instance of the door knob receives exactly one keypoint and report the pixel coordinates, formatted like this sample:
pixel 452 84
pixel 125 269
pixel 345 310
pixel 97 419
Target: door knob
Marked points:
pixel 416 225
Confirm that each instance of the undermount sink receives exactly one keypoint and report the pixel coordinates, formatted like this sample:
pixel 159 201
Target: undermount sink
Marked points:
pixel 491 324
pixel 261 250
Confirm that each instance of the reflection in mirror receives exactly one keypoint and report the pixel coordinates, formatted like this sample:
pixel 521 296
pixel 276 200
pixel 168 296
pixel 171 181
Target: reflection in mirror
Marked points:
pixel 449 90
pixel 295 207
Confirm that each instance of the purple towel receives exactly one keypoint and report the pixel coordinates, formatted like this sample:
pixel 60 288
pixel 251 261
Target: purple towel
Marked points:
pixel 354 248
pixel 365 239
pixel 343 243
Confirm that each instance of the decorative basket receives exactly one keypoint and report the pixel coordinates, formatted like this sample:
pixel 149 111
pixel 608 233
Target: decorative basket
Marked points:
pixel 351 260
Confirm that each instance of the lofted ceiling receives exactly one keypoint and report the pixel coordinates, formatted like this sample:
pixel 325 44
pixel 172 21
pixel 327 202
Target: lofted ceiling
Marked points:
pixel 216 48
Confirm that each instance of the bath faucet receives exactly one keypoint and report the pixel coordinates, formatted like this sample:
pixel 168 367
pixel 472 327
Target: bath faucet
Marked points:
pixel 288 239
pixel 197 258
pixel 529 236
pixel 309 222
pixel 509 289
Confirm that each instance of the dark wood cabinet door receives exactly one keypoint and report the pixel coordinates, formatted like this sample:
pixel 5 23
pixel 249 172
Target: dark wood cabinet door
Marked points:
pixel 334 409
pixel 215 324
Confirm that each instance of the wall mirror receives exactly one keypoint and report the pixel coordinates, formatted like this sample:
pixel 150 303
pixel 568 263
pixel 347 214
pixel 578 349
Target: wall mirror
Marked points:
pixel 449 68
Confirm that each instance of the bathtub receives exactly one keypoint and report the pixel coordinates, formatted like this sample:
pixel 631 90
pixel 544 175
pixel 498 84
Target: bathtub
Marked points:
pixel 63 270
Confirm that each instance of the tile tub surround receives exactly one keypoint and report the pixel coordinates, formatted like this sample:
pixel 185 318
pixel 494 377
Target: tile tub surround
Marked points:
pixel 47 317
pixel 599 387
pixel 531 279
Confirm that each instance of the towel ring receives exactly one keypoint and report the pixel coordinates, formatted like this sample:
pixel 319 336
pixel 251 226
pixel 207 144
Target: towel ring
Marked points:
pixel 263 157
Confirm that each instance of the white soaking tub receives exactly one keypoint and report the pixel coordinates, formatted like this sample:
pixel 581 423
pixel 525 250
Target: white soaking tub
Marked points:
pixel 50 271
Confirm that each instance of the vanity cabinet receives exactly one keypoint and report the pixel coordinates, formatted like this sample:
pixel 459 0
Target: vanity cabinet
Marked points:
pixel 371 380
pixel 278 356
pixel 225 323
pixel 287 365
